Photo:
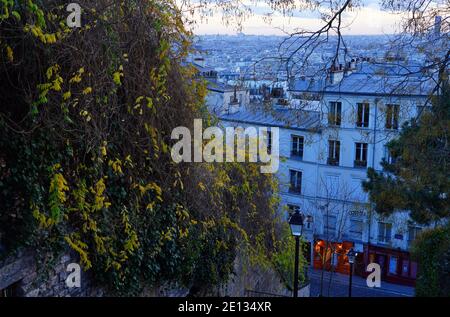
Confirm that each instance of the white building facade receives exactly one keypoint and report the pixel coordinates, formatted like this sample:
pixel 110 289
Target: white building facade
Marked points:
pixel 325 152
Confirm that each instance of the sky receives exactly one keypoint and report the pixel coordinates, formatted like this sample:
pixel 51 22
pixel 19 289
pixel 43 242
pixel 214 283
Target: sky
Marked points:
pixel 368 20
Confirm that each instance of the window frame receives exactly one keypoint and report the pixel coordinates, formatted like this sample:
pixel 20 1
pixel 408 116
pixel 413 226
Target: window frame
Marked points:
pixel 267 135
pixel 298 188
pixel 383 237
pixel 356 234
pixel 363 115
pixel 361 154
pixel 392 116
pixel 296 152
pixel 335 113
pixel 334 146
pixel 416 229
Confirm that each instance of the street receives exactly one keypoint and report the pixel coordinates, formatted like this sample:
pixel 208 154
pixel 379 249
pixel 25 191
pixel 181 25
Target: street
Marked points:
pixel 339 286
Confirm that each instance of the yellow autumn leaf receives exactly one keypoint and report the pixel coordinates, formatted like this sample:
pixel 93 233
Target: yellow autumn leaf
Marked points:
pixel 9 53
pixel 87 91
pixel 67 95
pixel 116 78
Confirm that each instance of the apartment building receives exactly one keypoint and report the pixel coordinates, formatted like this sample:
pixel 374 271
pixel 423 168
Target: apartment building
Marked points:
pixel 331 131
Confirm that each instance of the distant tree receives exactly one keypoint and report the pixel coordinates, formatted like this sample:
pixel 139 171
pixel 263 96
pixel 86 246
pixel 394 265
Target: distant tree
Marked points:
pixel 418 176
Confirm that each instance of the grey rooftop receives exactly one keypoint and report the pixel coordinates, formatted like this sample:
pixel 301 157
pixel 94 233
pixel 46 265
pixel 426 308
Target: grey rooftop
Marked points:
pixel 283 118
pixel 373 80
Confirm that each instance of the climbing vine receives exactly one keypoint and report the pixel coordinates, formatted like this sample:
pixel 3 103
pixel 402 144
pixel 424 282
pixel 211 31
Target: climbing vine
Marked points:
pixel 85 121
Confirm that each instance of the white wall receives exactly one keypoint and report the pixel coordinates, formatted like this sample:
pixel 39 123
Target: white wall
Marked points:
pixel 337 190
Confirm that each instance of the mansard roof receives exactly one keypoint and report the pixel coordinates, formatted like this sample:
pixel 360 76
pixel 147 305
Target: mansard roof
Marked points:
pixel 373 80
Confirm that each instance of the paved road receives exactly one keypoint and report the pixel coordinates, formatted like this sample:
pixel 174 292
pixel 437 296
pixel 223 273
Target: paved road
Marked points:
pixel 339 287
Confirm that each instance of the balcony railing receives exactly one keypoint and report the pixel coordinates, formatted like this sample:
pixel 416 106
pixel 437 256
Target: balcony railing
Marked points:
pixel 384 239
pixel 297 155
pixel 333 161
pixel 295 190
pixel 360 164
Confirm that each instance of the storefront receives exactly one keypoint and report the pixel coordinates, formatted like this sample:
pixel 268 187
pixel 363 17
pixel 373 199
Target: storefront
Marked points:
pixel 396 265
pixel 332 254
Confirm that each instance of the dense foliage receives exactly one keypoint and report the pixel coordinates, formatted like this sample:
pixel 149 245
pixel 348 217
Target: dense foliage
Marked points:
pixel 432 251
pixel 86 116
pixel 418 177
pixel 418 180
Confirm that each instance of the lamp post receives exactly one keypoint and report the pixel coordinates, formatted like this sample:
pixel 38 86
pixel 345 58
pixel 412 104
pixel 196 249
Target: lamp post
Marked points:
pixel 296 224
pixel 351 259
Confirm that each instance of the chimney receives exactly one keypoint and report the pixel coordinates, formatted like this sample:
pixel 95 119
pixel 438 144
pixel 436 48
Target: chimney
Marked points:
pixel 336 74
pixel 350 67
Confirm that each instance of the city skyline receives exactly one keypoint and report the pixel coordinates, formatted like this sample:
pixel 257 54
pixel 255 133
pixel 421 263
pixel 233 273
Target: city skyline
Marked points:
pixel 368 20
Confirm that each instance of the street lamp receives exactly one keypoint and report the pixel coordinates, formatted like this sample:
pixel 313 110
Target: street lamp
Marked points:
pixel 296 224
pixel 351 259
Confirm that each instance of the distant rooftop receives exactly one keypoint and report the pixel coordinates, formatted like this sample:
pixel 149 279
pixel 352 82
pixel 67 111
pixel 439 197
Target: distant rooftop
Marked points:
pixel 282 118
pixel 221 87
pixel 373 79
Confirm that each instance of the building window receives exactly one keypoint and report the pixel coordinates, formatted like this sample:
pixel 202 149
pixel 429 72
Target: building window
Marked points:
pixel 384 232
pixel 334 149
pixel 330 225
pixel 277 92
pixel 361 155
pixel 393 262
pixel 392 112
pixel 405 268
pixel 388 158
pixel 297 146
pixel 295 182
pixel 267 135
pixel 363 115
pixel 356 229
pixel 422 109
pixel 335 113
pixel 413 232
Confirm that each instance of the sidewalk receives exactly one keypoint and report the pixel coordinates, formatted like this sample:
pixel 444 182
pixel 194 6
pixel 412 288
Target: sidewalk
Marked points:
pixel 339 286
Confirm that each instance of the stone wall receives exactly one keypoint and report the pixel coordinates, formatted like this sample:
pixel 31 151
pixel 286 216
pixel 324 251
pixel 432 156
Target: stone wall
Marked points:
pixel 256 281
pixel 22 276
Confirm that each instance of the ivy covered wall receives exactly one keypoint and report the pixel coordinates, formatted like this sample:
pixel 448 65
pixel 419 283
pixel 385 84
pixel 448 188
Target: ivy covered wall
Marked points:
pixel 85 122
